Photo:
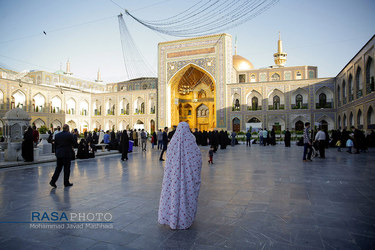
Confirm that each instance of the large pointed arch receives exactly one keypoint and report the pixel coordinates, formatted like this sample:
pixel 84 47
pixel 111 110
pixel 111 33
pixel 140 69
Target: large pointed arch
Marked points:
pixel 299 99
pixel 18 99
pixel 254 100
pixel 186 83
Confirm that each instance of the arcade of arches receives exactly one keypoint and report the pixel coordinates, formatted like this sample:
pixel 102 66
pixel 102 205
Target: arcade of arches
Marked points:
pixel 193 98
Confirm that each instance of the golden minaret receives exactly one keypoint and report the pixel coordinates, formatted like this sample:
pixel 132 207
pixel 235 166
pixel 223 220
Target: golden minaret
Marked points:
pixel 280 56
pixel 99 77
pixel 68 68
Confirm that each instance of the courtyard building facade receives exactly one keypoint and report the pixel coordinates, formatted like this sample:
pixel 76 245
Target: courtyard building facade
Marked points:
pixel 200 82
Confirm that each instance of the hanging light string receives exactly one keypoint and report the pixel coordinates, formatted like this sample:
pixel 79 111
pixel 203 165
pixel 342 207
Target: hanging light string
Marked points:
pixel 135 64
pixel 208 17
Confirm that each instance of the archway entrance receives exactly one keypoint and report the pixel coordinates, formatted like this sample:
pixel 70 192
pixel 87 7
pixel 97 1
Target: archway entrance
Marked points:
pixel 152 126
pixel 193 98
pixel 324 125
pixel 298 126
pixel 236 125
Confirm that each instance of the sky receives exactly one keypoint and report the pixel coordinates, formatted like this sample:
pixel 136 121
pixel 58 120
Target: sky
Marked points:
pixel 322 33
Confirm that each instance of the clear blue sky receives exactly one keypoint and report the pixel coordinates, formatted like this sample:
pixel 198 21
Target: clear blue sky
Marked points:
pixel 323 33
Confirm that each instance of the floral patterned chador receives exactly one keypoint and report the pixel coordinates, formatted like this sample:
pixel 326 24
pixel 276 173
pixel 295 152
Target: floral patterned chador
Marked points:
pixel 182 179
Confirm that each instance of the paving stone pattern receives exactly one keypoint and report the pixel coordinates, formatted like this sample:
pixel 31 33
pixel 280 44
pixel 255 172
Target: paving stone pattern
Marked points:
pixel 250 198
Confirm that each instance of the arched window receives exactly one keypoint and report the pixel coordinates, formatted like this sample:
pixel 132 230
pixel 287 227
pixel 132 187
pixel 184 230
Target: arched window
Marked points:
pixel 345 121
pixel 370 81
pixel 236 106
pixel 262 77
pixel 202 94
pixel 324 125
pixel 358 82
pixel 252 78
pixel 299 101
pixel 298 126
pixel 298 75
pixel 370 118
pixel 343 92
pixel 350 87
pixel 351 122
pixel 311 74
pixel 253 120
pixel 339 122
pixel 288 75
pixel 142 107
pixel 127 108
pixel 254 103
pixel 338 95
pixel 359 119
pixel 276 102
pixel 1 99
pixel 275 77
pixel 322 100
pixel 242 77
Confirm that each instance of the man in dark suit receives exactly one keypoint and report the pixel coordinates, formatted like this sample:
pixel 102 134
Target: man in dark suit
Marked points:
pixel 63 142
pixel 165 143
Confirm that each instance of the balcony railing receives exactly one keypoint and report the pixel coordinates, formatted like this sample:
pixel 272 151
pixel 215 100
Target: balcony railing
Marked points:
pixel 251 108
pixel 327 105
pixel 271 107
pixel 359 93
pixel 297 106
pixel 236 108
pixel 70 112
pixel 39 109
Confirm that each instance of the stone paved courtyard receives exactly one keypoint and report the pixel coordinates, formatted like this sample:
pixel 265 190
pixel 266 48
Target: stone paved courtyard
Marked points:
pixel 251 198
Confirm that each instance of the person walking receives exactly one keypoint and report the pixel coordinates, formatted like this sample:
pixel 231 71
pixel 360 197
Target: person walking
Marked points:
pixel 28 145
pixel 143 140
pixel 164 142
pixel 233 142
pixel 265 137
pixel 181 181
pixel 307 150
pixel 135 138
pixel 35 136
pixel 154 139
pixel 64 145
pixel 287 137
pixel 320 138
pixel 160 139
pixel 211 155
pixel 260 133
pixel 124 145
pixel 248 138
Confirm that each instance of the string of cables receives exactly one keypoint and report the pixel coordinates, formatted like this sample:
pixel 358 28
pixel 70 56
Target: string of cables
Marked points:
pixel 208 17
pixel 135 64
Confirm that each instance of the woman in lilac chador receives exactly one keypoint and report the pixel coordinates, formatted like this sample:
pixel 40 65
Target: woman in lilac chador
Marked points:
pixel 182 179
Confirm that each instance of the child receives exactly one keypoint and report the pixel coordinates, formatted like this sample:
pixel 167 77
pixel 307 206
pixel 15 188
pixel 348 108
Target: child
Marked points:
pixel 338 144
pixel 211 154
pixel 349 145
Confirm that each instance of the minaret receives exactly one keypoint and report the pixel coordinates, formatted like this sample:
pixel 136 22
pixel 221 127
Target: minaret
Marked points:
pixel 280 56
pixel 68 68
pixel 99 78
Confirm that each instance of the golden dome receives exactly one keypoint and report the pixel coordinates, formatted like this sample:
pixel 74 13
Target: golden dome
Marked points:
pixel 241 64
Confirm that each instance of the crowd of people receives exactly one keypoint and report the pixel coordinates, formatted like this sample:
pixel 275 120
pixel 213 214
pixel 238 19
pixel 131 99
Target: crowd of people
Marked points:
pixel 354 140
pixel 181 180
